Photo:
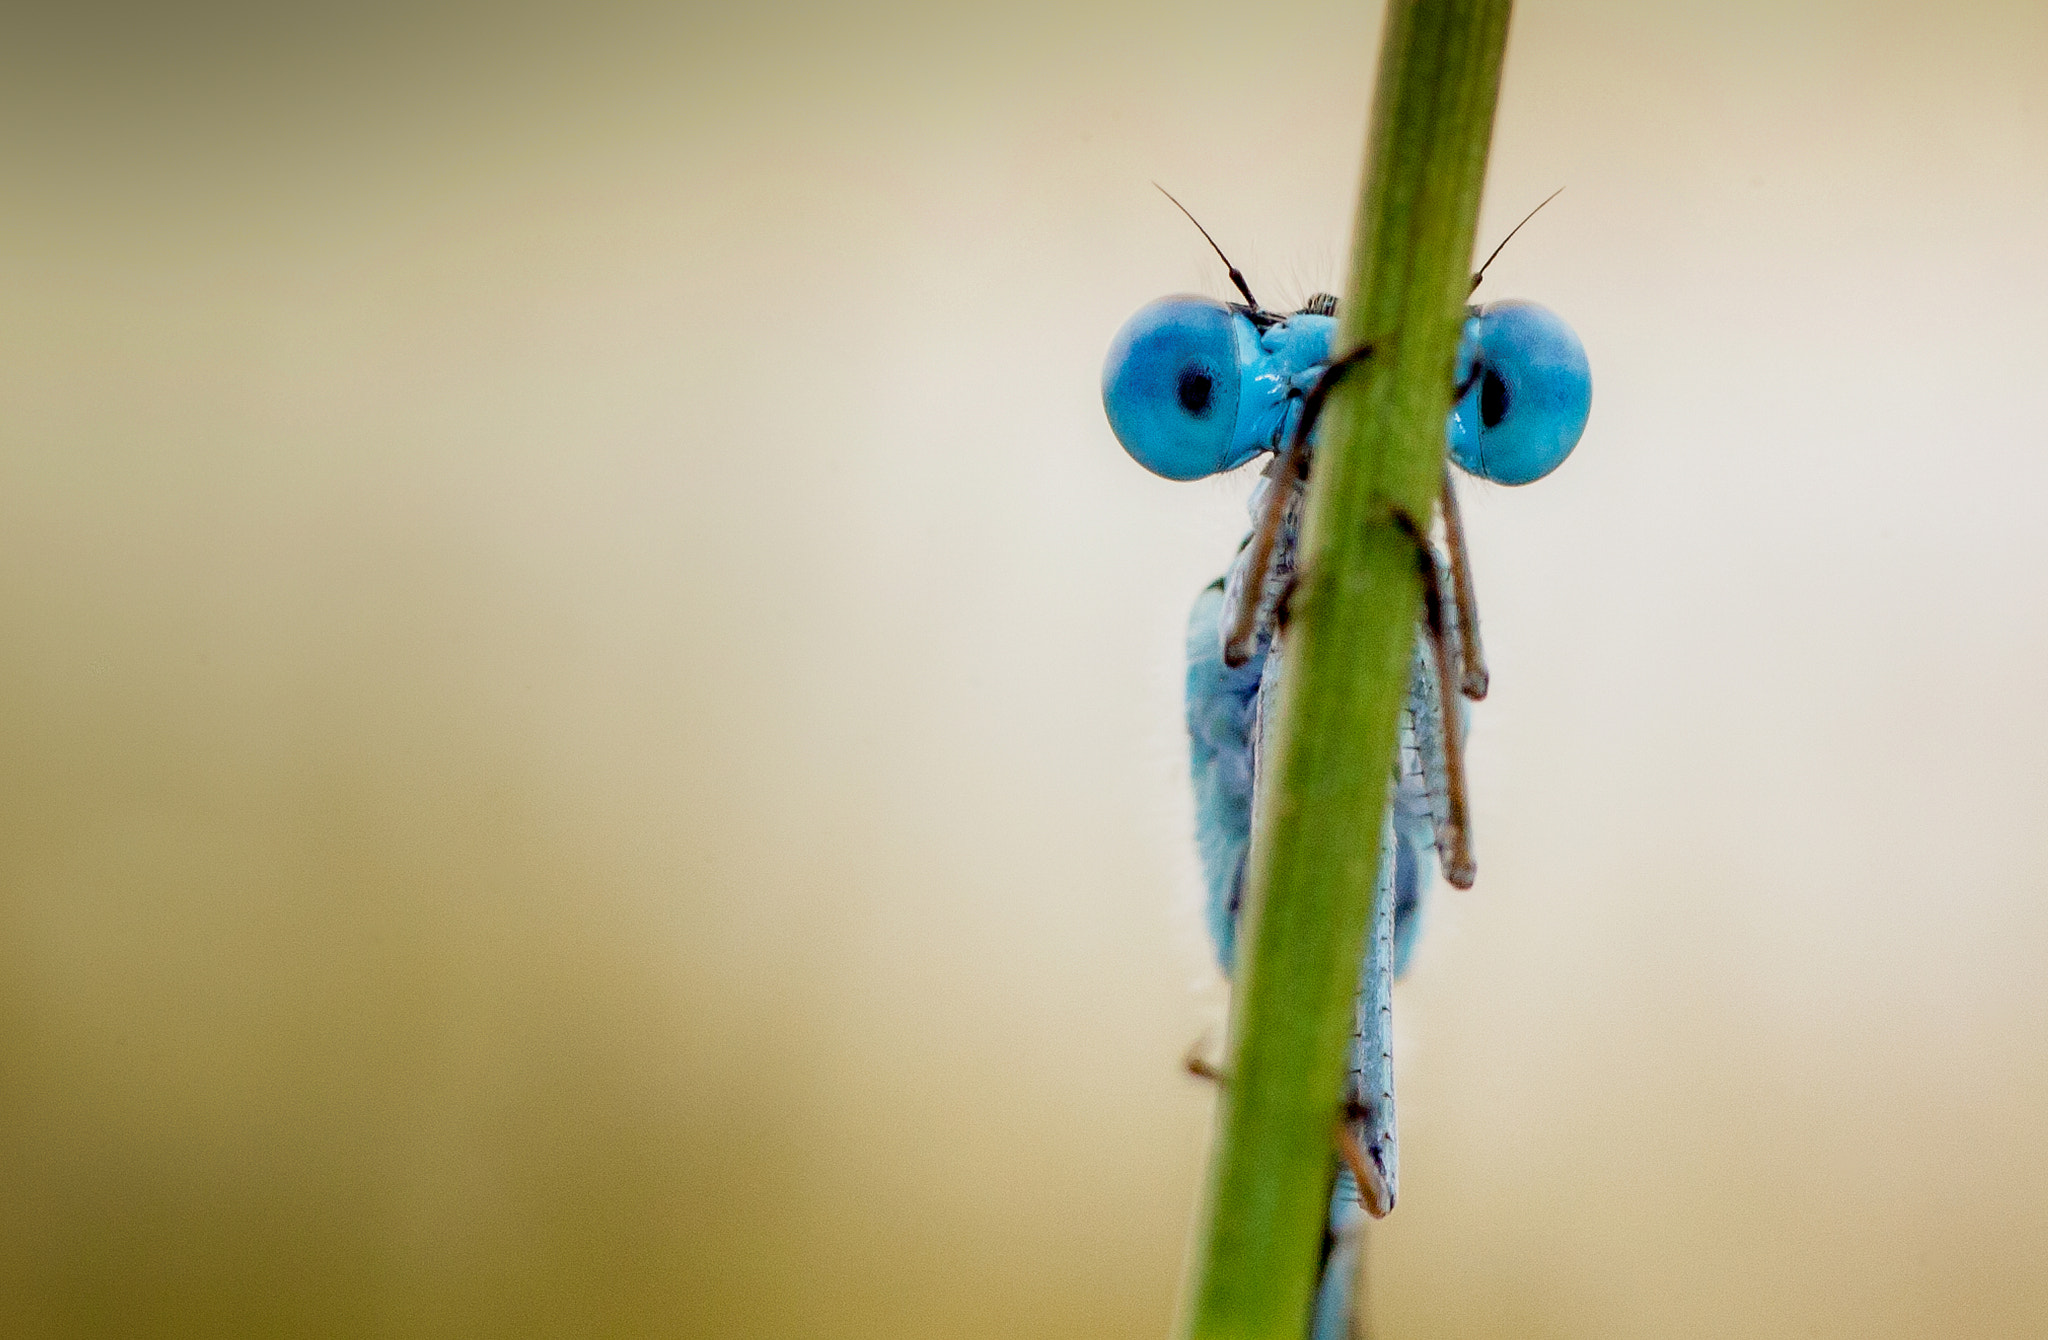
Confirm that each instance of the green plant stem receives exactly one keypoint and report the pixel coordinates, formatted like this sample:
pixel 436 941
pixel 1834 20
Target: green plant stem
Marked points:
pixel 1315 849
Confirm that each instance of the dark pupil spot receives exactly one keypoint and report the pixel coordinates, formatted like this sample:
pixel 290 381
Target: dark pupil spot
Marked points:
pixel 1493 399
pixel 1195 389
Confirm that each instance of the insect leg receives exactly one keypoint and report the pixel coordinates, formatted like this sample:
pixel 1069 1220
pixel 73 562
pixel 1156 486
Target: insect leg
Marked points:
pixel 1200 1066
pixel 1454 833
pixel 1286 474
pixel 1373 1191
pixel 1372 1184
pixel 1283 476
pixel 1473 656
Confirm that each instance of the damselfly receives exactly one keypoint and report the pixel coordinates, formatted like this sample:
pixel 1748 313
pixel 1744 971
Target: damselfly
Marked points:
pixel 1193 387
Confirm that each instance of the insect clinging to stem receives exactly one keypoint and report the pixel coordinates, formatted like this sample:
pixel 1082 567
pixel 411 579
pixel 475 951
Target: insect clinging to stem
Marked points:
pixel 1194 387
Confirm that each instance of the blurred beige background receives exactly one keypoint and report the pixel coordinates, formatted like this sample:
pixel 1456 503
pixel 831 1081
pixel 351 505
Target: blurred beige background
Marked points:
pixel 589 710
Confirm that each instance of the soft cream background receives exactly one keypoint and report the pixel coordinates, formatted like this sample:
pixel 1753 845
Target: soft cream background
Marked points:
pixel 588 708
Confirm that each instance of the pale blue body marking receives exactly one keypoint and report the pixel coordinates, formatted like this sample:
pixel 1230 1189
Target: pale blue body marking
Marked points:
pixel 1194 387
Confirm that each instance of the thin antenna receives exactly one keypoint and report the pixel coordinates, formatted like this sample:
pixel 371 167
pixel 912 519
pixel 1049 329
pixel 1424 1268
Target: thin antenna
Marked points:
pixel 1236 275
pixel 1503 242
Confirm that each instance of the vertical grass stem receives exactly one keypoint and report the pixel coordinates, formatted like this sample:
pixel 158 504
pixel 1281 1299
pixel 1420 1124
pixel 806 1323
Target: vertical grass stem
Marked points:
pixel 1315 847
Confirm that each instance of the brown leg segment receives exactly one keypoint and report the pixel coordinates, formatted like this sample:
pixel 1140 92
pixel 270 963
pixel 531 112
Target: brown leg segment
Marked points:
pixel 1285 474
pixel 1459 867
pixel 1474 668
pixel 1372 1184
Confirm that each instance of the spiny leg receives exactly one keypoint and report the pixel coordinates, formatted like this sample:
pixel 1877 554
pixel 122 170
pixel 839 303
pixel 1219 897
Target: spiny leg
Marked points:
pixel 1455 850
pixel 1286 472
pixel 1474 657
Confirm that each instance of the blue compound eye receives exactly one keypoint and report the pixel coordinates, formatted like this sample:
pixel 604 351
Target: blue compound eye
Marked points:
pixel 1529 393
pixel 1170 386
